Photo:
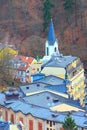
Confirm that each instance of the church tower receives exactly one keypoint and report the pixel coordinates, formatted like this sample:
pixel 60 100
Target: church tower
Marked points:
pixel 51 45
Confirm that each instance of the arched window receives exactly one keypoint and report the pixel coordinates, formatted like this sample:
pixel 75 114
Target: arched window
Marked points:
pixel 47 51
pixel 55 49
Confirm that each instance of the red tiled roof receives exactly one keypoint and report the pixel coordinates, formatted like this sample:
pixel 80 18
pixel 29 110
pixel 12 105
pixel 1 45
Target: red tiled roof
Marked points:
pixel 27 60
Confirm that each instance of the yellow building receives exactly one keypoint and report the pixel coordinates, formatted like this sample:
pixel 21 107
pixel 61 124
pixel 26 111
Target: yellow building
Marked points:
pixel 67 67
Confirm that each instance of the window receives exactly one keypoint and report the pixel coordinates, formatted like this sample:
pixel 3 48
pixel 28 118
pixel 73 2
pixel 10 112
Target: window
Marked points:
pixel 27 71
pixel 47 122
pixel 37 69
pixel 47 128
pixel 30 125
pixel 55 49
pixel 21 119
pixel 47 51
pixel 39 126
pixel 21 72
pixel 12 118
pixel 6 115
pixel 74 73
pixel 50 123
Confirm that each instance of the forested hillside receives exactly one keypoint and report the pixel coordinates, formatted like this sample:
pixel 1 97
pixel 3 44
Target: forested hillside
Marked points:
pixel 21 23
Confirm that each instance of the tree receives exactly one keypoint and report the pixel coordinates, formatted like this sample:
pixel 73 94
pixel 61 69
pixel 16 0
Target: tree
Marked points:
pixel 5 75
pixel 69 123
pixel 68 6
pixel 47 13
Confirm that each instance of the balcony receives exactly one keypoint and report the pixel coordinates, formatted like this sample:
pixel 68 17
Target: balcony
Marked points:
pixel 77 74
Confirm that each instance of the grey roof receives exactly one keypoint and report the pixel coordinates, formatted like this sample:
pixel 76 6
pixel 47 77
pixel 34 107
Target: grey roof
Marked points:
pixel 58 88
pixel 59 61
pixel 48 83
pixel 33 87
pixel 51 80
pixel 44 99
pixel 42 112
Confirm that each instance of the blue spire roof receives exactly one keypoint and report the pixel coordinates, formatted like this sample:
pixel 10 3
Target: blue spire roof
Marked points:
pixel 51 34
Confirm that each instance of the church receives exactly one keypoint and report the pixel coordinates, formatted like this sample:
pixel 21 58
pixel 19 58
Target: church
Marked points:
pixel 69 67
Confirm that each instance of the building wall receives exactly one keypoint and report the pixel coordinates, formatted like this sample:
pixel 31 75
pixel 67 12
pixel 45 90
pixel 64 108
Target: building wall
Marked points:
pixel 33 123
pixel 35 68
pixel 56 71
pixel 76 89
pixel 76 76
pixel 51 48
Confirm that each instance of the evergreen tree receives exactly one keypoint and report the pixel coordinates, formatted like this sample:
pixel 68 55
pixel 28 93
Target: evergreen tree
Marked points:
pixel 69 7
pixel 47 13
pixel 69 123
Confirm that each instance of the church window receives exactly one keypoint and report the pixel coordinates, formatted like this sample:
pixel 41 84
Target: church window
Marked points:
pixel 55 49
pixel 47 51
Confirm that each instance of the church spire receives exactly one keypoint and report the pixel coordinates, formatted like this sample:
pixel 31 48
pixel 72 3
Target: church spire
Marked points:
pixel 51 45
pixel 51 34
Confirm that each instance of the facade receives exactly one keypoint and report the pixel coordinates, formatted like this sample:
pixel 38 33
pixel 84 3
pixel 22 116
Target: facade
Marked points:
pixel 22 68
pixel 35 68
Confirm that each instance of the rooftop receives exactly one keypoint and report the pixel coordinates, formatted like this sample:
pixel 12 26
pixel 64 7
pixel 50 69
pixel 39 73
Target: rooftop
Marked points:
pixel 48 99
pixel 32 88
pixel 59 61
pixel 26 107
pixel 51 80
